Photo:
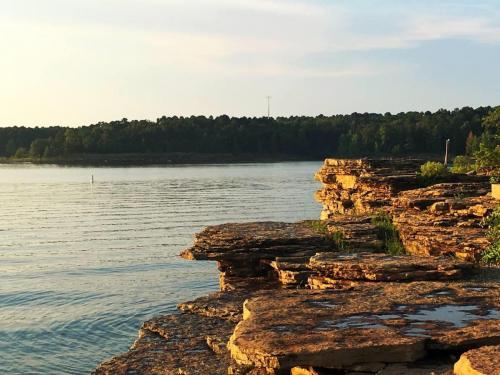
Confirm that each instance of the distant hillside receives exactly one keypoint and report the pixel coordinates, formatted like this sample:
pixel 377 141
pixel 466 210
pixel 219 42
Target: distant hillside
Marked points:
pixel 280 138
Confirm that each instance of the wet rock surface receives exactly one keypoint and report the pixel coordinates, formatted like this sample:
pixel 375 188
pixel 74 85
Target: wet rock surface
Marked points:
pixel 387 322
pixel 482 361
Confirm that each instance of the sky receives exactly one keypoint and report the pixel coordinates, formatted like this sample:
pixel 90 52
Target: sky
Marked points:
pixel 77 62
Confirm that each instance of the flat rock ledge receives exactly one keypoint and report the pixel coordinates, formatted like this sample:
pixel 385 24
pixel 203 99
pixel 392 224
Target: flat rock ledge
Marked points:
pixel 383 267
pixel 482 361
pixel 385 323
pixel 244 250
pixel 257 240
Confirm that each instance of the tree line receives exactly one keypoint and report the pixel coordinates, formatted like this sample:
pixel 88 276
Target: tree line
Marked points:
pixel 357 134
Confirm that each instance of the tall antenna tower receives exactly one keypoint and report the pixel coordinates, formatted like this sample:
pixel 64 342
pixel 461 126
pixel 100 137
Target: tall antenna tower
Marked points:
pixel 268 106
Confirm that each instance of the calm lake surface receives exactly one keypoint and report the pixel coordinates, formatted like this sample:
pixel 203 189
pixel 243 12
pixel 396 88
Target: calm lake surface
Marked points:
pixel 82 266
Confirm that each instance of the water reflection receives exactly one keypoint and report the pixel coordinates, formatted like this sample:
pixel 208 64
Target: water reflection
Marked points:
pixel 83 265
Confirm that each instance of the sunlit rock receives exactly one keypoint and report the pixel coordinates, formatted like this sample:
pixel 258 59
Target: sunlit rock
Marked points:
pixel 444 219
pixel 482 361
pixel 174 344
pixel 377 322
pixel 383 267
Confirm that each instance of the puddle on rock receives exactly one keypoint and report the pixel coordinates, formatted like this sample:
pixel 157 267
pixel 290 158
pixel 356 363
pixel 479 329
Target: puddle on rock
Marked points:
pixel 388 316
pixel 476 288
pixel 354 321
pixel 281 328
pixel 441 292
pixel 322 303
pixel 417 332
pixel 348 256
pixel 457 315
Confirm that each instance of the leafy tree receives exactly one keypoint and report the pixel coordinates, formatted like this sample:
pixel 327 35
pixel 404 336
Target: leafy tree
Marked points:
pixel 357 134
pixel 21 153
pixel 491 122
pixel 471 144
pixel 38 147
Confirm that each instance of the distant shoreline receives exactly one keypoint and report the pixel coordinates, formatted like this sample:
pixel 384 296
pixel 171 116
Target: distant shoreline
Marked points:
pixel 133 159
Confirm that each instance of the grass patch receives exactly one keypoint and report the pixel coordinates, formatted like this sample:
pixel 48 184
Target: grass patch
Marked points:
pixel 335 238
pixel 388 234
pixel 492 254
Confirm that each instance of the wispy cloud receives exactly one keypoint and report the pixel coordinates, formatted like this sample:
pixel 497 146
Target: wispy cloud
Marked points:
pixel 96 45
pixel 293 7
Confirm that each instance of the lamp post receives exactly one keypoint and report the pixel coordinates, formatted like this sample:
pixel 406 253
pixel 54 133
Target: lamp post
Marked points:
pixel 268 107
pixel 446 152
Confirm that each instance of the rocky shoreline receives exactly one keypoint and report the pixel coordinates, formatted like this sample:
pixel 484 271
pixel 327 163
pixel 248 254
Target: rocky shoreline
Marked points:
pixel 322 297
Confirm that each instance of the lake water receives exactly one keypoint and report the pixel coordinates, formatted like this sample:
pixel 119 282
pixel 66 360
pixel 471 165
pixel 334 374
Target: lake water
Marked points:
pixel 82 266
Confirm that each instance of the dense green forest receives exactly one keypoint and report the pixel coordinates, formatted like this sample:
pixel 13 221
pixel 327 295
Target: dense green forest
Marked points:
pixel 302 137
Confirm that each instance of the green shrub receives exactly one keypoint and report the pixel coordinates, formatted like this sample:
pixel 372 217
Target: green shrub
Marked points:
pixel 336 238
pixel 463 164
pixel 319 226
pixel 433 170
pixel 21 153
pixel 488 158
pixel 388 234
pixel 492 254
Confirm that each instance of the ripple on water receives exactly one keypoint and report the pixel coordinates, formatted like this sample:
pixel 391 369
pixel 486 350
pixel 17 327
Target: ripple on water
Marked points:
pixel 83 266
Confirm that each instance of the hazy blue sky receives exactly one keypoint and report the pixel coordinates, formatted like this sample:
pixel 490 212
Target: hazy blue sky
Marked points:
pixel 74 62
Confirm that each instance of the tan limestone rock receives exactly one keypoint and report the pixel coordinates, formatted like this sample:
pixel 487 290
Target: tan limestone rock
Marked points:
pixel 383 267
pixel 382 322
pixel 482 361
pixel 173 344
pixel 451 226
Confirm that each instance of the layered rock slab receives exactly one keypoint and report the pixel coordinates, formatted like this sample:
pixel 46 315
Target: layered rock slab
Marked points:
pixel 383 322
pixel 383 267
pixel 423 367
pixel 174 344
pixel 244 249
pixel 194 342
pixel 443 220
pixel 358 233
pixel 481 361
pixel 363 185
pixel 261 240
pixel 425 197
pixel 225 305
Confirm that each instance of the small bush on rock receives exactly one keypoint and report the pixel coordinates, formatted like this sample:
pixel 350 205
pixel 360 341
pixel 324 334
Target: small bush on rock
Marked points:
pixel 388 233
pixel 492 254
pixel 433 170
pixel 336 238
